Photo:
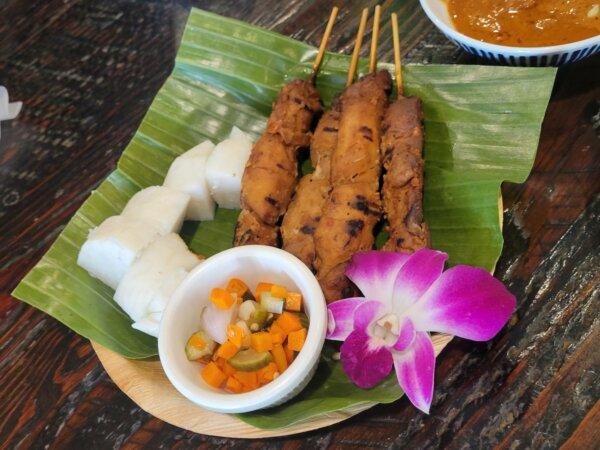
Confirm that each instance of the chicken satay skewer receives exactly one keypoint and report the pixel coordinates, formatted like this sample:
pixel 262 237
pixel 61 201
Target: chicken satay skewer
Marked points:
pixel 304 212
pixel 271 172
pixel 354 205
pixel 402 146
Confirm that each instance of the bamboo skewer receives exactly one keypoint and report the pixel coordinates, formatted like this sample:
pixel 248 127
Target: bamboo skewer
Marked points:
pixel 357 45
pixel 374 39
pixel 323 46
pixel 397 59
pixel 402 190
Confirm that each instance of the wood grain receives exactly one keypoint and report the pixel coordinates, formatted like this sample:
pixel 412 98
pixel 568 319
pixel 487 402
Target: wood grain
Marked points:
pixel 147 385
pixel 87 71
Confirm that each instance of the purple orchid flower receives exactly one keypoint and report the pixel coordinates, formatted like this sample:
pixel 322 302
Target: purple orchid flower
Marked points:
pixel 407 296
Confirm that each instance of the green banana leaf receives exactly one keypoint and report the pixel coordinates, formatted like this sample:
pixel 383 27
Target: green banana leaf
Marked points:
pixel 482 127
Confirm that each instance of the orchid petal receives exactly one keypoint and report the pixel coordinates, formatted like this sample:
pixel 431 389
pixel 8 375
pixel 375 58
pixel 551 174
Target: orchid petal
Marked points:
pixel 341 318
pixel 366 313
pixel 415 369
pixel 374 273
pixel 466 302
pixel 416 275
pixel 364 363
pixel 406 336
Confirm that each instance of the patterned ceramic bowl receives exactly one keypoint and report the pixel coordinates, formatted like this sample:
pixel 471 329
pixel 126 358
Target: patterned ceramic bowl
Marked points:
pixel 554 55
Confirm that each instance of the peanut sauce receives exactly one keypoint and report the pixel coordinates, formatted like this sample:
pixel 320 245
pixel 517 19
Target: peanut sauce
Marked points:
pixel 526 23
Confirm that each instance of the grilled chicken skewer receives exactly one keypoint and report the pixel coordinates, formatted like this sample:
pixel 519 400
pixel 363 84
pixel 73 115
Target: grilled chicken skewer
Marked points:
pixel 304 212
pixel 354 205
pixel 271 172
pixel 402 147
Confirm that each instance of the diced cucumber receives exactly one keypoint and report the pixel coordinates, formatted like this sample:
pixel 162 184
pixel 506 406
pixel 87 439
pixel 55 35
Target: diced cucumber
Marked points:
pixel 250 360
pixel 270 303
pixel 193 352
pixel 258 317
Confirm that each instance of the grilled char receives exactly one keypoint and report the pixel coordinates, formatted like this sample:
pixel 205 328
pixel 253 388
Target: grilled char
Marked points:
pixel 304 212
pixel 354 205
pixel 272 169
pixel 402 191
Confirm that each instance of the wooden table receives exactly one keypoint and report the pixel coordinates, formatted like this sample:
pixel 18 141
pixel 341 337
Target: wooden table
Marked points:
pixel 87 71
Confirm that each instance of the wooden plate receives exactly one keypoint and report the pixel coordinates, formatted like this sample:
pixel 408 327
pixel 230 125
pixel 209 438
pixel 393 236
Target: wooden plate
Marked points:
pixel 146 384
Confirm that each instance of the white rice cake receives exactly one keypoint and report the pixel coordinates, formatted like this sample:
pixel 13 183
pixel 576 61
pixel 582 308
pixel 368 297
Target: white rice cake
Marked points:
pixel 159 206
pixel 188 174
pixel 225 168
pixel 111 248
pixel 146 288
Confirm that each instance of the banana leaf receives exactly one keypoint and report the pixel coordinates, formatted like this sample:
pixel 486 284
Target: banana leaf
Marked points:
pixel 482 128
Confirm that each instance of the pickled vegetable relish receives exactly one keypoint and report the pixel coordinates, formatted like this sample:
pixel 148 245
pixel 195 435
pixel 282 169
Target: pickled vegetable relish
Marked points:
pixel 264 331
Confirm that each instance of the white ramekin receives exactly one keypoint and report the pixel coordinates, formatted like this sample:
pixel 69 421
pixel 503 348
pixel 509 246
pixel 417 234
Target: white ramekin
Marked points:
pixel 252 263
pixel 554 55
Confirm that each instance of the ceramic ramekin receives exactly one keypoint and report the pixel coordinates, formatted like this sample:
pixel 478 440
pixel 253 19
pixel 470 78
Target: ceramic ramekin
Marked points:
pixel 252 263
pixel 554 55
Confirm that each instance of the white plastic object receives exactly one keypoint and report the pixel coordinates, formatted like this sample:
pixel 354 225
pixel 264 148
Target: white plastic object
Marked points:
pixel 8 111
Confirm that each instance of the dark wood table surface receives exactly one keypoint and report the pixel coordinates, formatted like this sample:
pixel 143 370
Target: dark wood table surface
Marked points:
pixel 87 71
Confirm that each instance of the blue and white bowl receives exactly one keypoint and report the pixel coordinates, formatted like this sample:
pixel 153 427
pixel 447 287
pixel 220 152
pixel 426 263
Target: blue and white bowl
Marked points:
pixel 553 55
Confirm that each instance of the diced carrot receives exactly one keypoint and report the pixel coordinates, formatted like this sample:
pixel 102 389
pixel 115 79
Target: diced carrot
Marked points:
pixel 289 353
pixel 197 342
pixel 225 367
pixel 279 358
pixel 293 301
pixel 262 287
pixel 234 385
pixel 213 375
pixel 237 286
pixel 277 334
pixel 249 388
pixel 288 322
pixel 267 373
pixel 296 339
pixel 221 298
pixel 278 291
pixel 235 334
pixel 248 379
pixel 261 341
pixel 276 329
pixel 226 350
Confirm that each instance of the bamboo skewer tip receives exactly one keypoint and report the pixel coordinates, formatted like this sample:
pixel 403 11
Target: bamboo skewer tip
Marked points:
pixel 357 45
pixel 324 41
pixel 397 58
pixel 374 39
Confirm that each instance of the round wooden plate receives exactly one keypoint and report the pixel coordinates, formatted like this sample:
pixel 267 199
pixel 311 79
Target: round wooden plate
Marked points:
pixel 146 384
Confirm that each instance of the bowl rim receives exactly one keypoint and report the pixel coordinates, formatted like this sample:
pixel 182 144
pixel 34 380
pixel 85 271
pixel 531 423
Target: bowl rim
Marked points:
pixel 284 384
pixel 497 48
